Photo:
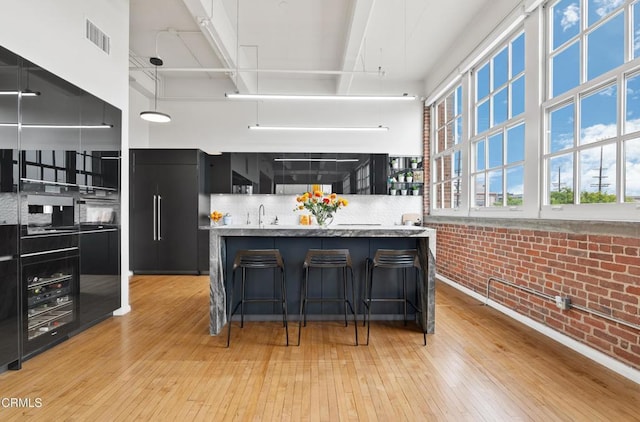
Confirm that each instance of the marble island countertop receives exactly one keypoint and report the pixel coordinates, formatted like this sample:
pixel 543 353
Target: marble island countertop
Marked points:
pixel 338 230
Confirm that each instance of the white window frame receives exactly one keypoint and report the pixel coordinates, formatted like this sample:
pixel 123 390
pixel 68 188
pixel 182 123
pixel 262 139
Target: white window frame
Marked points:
pixel 529 195
pixel 598 211
pixel 448 153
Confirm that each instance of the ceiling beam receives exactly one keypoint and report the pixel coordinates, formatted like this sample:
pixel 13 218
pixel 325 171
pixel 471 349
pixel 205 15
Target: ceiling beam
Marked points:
pixel 223 39
pixel 362 11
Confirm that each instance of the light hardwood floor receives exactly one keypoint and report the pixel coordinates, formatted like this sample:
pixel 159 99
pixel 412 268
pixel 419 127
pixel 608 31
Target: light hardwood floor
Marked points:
pixel 159 363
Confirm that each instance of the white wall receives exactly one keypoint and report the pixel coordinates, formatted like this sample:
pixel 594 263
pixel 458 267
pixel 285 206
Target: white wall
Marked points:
pixel 223 126
pixel 51 34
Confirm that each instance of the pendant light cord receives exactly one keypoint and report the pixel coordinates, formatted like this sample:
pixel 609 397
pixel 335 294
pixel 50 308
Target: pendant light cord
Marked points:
pixel 155 90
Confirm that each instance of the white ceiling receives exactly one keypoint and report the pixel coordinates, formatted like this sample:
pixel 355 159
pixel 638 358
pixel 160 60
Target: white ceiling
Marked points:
pixel 307 46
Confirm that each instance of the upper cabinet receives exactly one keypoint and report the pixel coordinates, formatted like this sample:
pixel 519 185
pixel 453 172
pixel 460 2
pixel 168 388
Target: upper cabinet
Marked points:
pixel 69 138
pixel 292 173
pixel 9 75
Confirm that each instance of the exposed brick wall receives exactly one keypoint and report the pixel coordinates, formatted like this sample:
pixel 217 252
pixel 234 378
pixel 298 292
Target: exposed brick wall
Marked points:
pixel 599 272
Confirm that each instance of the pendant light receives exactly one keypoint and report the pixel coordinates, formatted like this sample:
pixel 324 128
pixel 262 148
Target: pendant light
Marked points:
pixel 155 116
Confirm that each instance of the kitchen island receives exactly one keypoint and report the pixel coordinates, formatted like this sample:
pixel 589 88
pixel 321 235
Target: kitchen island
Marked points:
pixel 293 242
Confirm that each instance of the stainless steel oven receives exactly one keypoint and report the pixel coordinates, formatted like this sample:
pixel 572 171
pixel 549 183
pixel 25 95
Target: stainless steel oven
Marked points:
pixel 48 214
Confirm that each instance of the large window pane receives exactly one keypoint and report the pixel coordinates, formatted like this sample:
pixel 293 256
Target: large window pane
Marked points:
pixel 566 69
pixel 515 185
pixel 479 188
pixel 501 68
pixel 632 116
pixel 495 188
pixel 438 169
pixel 458 100
pixel 450 106
pixel 598 174
pixel 636 30
pixel 500 107
pixel 495 150
pixel 517 55
pixel 598 115
pixel 632 171
pixel 605 47
pixel 440 140
pixel 450 137
pixel 446 191
pixel 561 128
pixel 482 117
pixel 441 116
pixel 458 130
pixel 447 168
pixel 457 164
pixel 482 82
pixel 561 180
pixel 601 8
pixel 565 17
pixel 515 144
pixel 480 156
pixel 517 97
pixel 456 193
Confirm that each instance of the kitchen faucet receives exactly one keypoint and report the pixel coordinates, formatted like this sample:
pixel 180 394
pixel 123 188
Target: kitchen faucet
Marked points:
pixel 260 209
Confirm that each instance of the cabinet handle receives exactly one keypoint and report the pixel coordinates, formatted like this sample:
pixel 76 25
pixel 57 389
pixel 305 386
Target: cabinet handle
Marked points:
pixel 159 217
pixel 155 218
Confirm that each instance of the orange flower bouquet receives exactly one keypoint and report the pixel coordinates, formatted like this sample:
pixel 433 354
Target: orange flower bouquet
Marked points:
pixel 216 216
pixel 321 206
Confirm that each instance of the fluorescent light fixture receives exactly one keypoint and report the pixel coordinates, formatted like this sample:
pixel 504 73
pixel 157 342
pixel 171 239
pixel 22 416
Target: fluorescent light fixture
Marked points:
pixel 104 126
pixel 26 93
pixel 403 97
pixel 320 129
pixel 332 160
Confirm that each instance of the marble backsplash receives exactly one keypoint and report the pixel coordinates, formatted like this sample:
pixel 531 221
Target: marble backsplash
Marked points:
pixel 362 209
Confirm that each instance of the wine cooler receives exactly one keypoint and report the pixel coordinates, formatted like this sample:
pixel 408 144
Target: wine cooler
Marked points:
pixel 50 292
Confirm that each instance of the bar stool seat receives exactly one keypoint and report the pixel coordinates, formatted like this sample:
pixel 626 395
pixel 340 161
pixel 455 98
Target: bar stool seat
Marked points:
pixel 257 259
pixel 396 259
pixel 328 258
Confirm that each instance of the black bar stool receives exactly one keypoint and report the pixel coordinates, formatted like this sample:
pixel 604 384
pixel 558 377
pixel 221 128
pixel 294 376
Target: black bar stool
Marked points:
pixel 392 258
pixel 328 258
pixel 257 259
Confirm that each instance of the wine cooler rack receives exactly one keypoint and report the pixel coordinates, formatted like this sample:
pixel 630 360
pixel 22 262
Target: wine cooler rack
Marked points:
pixel 49 303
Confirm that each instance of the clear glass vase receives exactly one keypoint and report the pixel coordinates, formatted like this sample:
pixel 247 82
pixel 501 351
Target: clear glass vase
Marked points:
pixel 323 219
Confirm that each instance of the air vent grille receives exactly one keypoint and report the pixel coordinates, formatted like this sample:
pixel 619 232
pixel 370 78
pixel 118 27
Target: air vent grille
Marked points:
pixel 96 36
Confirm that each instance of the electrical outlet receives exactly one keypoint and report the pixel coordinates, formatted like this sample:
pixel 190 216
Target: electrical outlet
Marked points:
pixel 563 303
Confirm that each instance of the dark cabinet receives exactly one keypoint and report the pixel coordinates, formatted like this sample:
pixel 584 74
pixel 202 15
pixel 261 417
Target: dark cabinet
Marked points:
pixel 9 317
pixel 100 288
pixel 68 154
pixel 233 173
pixel 287 173
pixel 167 186
pixel 9 284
